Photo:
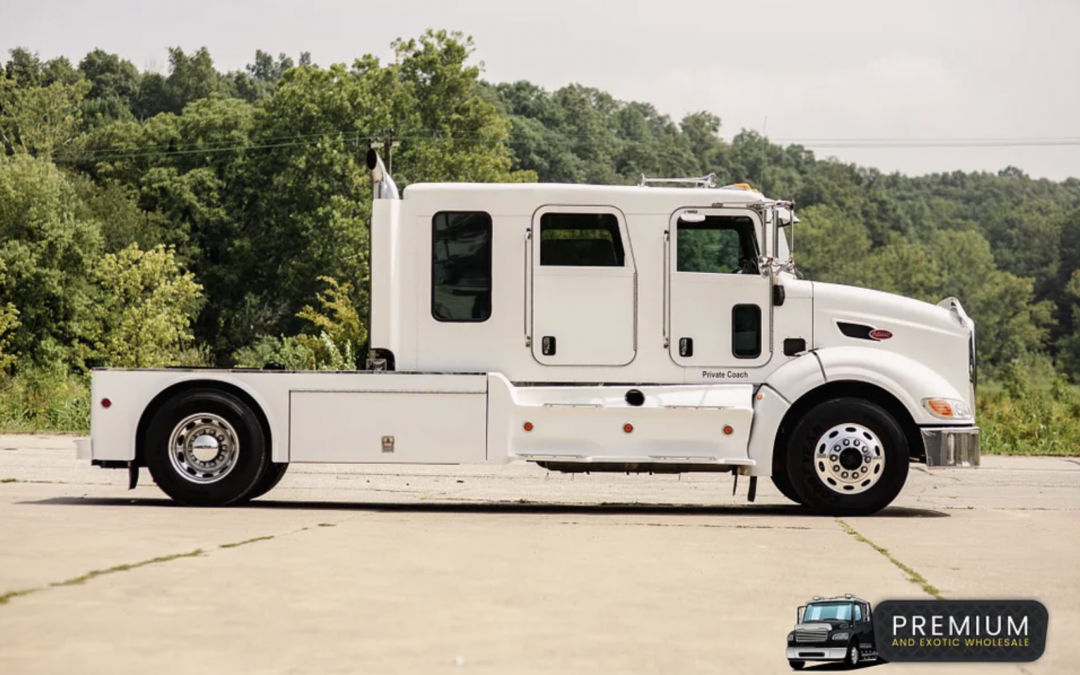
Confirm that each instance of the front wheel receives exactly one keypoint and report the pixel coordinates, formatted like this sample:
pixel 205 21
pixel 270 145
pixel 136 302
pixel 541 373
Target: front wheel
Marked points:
pixel 796 665
pixel 852 660
pixel 206 447
pixel 783 484
pixel 847 457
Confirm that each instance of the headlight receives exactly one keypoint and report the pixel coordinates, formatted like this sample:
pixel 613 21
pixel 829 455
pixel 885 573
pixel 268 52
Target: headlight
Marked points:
pixel 791 637
pixel 840 636
pixel 947 408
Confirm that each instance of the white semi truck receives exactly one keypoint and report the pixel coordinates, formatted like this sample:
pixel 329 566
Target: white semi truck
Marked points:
pixel 643 329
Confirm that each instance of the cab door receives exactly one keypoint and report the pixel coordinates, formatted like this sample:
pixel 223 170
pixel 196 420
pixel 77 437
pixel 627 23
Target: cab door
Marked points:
pixel 583 287
pixel 719 304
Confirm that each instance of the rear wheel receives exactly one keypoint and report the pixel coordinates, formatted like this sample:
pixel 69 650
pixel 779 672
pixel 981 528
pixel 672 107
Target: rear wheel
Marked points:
pixel 274 474
pixel 847 456
pixel 206 447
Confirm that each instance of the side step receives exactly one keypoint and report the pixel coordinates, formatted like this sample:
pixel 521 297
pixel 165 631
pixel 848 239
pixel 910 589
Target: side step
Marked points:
pixel 635 467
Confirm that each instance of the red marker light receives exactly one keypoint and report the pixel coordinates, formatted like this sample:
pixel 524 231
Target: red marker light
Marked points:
pixel 628 427
pixel 105 403
pixel 528 426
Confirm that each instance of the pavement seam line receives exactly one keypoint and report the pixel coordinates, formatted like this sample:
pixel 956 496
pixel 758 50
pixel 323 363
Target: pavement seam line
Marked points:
pixel 913 576
pixel 234 544
pixel 93 574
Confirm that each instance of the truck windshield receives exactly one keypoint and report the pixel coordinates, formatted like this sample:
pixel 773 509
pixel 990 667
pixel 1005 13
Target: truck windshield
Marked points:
pixel 828 611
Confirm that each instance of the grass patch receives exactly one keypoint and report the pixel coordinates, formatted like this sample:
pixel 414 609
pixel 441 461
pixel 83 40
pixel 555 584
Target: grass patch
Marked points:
pixel 9 480
pixel 1020 416
pixel 913 576
pixel 51 400
pixel 327 525
pixel 245 542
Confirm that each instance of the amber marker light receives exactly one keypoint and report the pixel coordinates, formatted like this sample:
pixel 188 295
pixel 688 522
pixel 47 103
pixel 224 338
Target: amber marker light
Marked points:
pixel 628 427
pixel 528 426
pixel 728 430
pixel 947 408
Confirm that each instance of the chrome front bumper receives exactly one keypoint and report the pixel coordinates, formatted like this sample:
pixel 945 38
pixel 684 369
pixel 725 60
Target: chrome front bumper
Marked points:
pixel 951 446
pixel 808 653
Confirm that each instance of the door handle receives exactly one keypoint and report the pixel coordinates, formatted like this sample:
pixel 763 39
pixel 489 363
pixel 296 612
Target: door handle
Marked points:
pixel 686 347
pixel 547 345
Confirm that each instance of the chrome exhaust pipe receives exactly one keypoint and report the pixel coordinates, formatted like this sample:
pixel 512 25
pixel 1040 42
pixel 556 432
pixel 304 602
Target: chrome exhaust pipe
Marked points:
pixel 383 186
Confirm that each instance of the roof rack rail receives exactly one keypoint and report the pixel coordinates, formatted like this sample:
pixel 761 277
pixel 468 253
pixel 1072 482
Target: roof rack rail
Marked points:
pixel 708 181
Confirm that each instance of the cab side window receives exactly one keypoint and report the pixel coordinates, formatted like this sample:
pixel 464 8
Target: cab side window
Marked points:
pixel 461 266
pixel 858 612
pixel 580 240
pixel 719 245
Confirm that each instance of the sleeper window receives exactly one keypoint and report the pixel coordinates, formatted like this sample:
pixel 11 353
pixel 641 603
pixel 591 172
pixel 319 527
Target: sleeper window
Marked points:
pixel 580 240
pixel 719 245
pixel 461 266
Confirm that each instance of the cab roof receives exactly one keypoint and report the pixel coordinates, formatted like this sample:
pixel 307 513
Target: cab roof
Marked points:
pixel 526 197
pixel 839 598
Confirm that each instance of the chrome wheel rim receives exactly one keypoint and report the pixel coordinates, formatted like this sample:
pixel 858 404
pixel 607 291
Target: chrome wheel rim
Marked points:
pixel 854 655
pixel 849 459
pixel 203 448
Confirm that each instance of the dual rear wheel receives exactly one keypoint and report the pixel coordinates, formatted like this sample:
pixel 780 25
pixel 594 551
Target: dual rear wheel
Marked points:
pixel 207 447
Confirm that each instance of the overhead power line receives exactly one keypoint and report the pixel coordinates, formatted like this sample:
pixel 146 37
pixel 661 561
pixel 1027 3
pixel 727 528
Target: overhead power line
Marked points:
pixel 929 142
pixel 116 153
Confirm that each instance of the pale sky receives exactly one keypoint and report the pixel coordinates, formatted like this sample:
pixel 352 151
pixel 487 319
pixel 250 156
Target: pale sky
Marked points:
pixel 948 70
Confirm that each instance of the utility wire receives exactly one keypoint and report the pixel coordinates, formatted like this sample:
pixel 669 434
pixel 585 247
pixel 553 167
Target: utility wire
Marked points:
pixel 116 153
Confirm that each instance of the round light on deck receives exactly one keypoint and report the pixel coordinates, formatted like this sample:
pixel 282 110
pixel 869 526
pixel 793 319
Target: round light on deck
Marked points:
pixel 528 426
pixel 628 427
pixel 105 403
pixel 728 430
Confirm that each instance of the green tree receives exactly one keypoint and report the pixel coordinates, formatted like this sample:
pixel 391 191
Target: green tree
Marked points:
pixel 145 308
pixel 49 248
pixel 114 87
pixel 9 321
pixel 40 120
pixel 832 246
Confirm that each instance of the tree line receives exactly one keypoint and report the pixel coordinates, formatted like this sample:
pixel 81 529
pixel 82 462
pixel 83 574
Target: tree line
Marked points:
pixel 206 217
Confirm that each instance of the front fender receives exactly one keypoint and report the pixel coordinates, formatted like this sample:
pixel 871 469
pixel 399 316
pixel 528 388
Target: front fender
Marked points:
pixel 908 380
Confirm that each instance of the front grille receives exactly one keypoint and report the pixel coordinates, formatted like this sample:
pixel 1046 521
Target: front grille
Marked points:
pixel 805 636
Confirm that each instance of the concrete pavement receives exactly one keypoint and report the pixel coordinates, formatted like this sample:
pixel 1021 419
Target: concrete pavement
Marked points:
pixel 497 569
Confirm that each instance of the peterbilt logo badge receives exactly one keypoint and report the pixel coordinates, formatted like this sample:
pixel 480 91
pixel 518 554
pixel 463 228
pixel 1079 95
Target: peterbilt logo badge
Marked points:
pixel 880 334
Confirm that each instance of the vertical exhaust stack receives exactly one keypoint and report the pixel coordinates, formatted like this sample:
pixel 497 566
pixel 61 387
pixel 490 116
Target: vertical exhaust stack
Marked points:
pixel 383 185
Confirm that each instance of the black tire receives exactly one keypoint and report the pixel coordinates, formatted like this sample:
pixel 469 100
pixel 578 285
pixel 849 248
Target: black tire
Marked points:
pixel 803 474
pixel 783 484
pixel 852 657
pixel 274 474
pixel 252 456
pixel 796 665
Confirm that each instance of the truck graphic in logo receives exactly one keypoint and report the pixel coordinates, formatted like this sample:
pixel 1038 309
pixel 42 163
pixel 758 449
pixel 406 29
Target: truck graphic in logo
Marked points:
pixel 840 630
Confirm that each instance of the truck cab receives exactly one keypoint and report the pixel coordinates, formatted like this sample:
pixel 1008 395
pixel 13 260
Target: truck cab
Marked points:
pixel 657 328
pixel 840 630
